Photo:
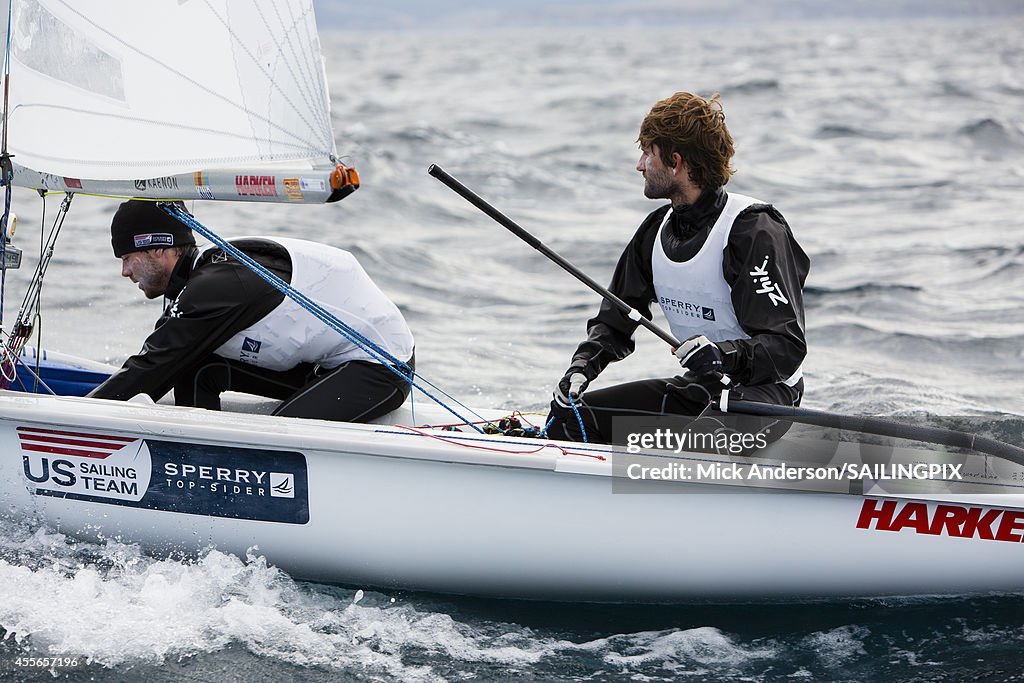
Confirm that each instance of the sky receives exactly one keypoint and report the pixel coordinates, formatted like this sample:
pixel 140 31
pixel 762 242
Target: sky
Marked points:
pixel 399 14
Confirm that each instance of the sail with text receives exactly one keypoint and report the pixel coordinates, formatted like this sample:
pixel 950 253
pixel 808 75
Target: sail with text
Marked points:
pixel 172 99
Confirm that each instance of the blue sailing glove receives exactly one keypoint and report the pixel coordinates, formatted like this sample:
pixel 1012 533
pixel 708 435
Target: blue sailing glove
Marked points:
pixel 702 363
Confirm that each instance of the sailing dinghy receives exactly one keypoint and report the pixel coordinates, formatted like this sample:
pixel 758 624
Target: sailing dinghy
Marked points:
pixel 103 100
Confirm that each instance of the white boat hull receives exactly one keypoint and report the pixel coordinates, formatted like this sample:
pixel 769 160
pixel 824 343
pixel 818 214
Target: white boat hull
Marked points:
pixel 385 506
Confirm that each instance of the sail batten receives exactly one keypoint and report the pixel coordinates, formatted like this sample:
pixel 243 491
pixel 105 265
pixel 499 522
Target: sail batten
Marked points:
pixel 120 91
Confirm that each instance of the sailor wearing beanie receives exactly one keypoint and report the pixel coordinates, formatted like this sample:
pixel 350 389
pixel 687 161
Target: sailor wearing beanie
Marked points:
pixel 224 328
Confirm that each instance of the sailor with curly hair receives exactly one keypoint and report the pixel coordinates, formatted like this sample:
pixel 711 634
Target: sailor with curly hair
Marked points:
pixel 725 270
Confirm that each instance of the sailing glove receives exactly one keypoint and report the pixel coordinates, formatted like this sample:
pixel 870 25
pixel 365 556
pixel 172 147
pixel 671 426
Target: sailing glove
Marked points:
pixel 702 363
pixel 573 384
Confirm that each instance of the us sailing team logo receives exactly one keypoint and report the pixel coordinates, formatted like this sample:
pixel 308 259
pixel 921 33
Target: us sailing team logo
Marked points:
pixel 61 462
pixel 200 479
pixel 82 444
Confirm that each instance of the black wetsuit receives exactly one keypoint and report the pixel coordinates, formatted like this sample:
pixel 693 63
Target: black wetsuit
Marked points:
pixel 210 300
pixel 757 366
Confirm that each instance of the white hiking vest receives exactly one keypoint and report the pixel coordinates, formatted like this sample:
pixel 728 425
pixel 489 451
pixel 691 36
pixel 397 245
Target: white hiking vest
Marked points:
pixel 693 294
pixel 290 335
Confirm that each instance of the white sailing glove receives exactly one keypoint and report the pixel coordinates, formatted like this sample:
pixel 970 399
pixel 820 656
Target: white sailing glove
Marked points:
pixel 572 385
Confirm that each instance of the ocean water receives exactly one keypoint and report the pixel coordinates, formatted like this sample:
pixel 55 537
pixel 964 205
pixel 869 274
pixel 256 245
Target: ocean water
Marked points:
pixel 895 150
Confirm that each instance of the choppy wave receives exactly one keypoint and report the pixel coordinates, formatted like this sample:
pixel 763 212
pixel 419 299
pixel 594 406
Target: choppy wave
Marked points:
pixel 753 86
pixel 833 130
pixel 992 134
pixel 162 618
pixel 856 291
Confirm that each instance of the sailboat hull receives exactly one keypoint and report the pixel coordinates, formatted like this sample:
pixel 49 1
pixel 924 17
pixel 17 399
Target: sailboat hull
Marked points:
pixel 392 507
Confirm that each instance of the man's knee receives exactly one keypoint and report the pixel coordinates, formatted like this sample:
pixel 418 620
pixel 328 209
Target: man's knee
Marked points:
pixel 201 386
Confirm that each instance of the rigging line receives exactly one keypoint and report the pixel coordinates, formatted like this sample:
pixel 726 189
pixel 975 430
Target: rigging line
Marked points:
pixel 38 321
pixel 42 221
pixel 494 449
pixel 7 172
pixel 8 369
pixel 273 84
pixel 39 380
pixel 305 78
pixel 6 169
pixel 298 296
pixel 389 361
pixel 337 325
pixel 456 438
pixel 35 287
pixel 184 77
pixel 7 76
pixel 37 324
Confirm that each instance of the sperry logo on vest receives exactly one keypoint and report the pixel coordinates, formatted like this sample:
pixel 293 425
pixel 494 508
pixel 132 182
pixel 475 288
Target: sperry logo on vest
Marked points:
pixel 761 278
pixel 686 308
pixel 946 520
pixel 250 350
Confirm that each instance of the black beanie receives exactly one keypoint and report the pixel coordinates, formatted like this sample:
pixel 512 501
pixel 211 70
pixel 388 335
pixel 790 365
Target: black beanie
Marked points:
pixel 140 225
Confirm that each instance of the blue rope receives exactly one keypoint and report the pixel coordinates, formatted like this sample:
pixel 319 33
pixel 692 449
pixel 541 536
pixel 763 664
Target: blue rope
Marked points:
pixel 544 432
pixel 8 179
pixel 395 365
pixel 579 418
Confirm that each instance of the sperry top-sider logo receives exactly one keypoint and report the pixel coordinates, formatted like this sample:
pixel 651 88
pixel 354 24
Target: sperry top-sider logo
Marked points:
pixel 687 308
pixel 250 352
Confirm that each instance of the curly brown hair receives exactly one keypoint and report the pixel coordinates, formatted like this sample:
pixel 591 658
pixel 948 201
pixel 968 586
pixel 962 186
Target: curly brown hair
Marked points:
pixel 694 128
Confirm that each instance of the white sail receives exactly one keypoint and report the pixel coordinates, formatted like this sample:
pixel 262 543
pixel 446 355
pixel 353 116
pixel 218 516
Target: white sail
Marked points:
pixel 225 97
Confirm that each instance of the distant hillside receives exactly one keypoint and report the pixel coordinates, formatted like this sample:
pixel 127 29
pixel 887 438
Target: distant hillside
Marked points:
pixel 398 14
